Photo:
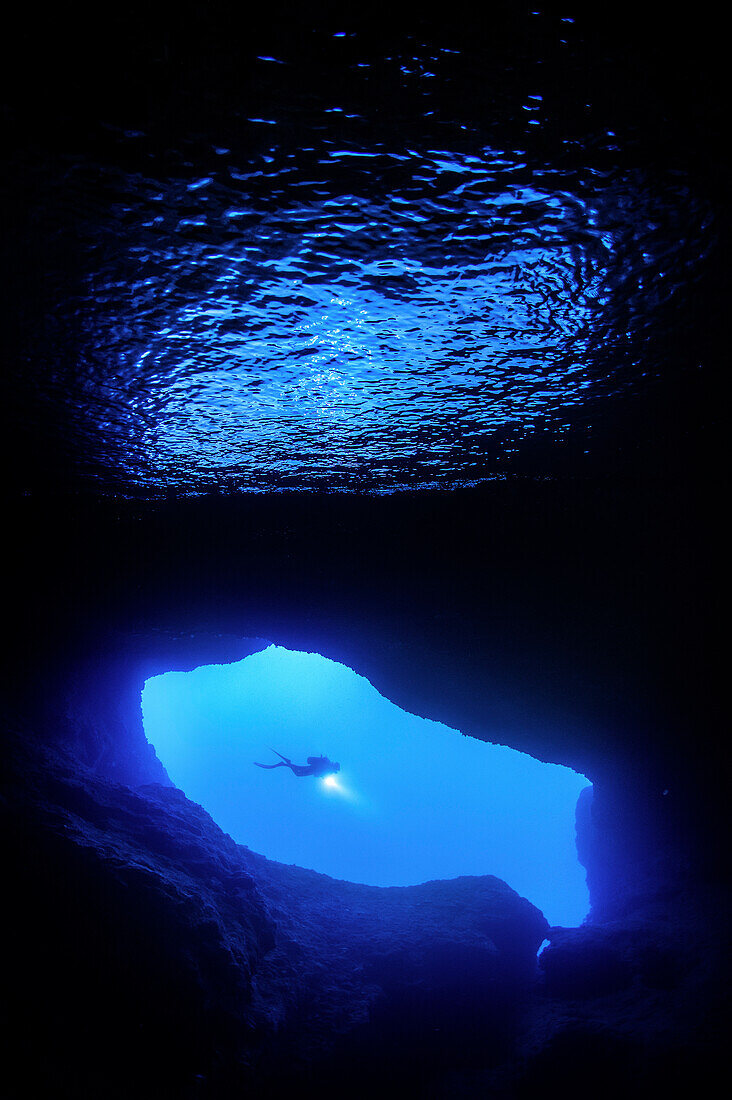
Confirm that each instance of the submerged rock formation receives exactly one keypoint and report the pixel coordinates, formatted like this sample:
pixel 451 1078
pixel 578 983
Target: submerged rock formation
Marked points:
pixel 151 953
pixel 156 948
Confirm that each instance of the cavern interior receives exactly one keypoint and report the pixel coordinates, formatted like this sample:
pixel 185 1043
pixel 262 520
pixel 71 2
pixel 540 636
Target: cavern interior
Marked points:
pixel 490 482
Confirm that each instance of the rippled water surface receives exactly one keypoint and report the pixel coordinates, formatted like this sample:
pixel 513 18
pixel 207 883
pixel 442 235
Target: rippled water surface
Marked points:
pixel 365 275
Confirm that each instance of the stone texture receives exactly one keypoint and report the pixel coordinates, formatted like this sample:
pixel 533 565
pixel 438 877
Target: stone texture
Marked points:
pixel 183 959
pixel 531 617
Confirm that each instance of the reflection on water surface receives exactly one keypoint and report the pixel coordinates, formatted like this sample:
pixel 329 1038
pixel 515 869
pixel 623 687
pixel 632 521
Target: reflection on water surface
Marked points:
pixel 365 278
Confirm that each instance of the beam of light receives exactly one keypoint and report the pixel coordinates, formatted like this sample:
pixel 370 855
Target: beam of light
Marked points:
pixel 333 784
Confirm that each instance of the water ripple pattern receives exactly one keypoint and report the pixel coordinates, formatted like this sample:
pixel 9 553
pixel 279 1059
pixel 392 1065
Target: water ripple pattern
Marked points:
pixel 325 305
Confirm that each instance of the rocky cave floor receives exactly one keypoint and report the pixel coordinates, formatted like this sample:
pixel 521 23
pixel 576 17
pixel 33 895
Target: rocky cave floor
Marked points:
pixel 149 951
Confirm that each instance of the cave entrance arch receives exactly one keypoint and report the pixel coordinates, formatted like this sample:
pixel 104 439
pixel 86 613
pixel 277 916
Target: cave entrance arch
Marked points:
pixel 414 800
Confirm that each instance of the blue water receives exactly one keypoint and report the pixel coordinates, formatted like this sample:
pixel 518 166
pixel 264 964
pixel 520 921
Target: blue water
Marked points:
pixel 413 801
pixel 384 263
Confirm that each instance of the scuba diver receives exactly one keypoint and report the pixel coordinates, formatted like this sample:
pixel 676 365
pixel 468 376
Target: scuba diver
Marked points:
pixel 316 765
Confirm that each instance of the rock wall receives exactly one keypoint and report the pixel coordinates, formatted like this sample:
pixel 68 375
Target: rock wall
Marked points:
pixel 564 620
pixel 157 952
pixel 546 627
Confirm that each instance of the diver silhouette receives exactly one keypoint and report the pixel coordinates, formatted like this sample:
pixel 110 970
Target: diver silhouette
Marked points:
pixel 316 765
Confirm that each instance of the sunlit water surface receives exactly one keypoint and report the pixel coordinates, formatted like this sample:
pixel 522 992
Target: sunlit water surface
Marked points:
pixel 386 269
pixel 413 801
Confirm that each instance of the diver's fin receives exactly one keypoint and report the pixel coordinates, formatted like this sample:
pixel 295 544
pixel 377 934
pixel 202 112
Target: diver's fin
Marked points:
pixel 285 758
pixel 256 765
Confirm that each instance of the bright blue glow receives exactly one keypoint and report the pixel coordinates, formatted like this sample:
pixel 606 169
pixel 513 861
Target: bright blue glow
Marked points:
pixel 413 801
pixel 308 355
pixel 431 295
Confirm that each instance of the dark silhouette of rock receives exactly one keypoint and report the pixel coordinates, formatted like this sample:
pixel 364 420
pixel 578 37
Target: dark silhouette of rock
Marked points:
pixel 179 954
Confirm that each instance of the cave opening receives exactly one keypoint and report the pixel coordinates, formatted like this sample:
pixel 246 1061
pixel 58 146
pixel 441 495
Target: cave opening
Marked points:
pixel 413 800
